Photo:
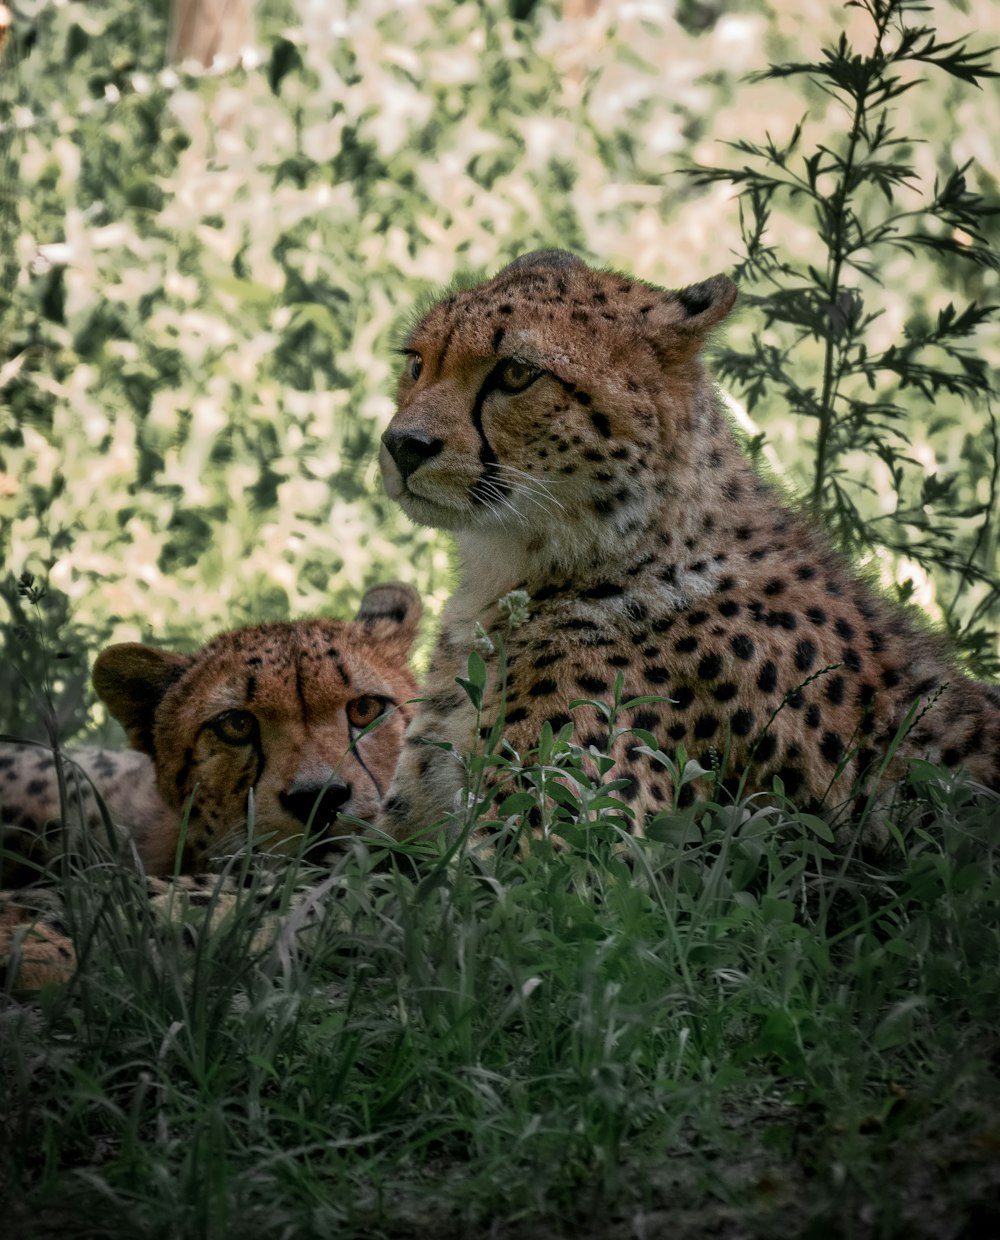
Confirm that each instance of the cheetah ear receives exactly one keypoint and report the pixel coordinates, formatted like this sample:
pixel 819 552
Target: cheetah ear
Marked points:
pixel 680 321
pixel 132 680
pixel 542 258
pixel 391 612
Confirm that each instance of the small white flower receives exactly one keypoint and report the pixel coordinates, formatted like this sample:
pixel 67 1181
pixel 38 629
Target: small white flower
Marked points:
pixel 515 607
pixel 482 640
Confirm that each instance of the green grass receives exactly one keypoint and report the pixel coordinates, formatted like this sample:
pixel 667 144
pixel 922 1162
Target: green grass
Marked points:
pixel 724 1027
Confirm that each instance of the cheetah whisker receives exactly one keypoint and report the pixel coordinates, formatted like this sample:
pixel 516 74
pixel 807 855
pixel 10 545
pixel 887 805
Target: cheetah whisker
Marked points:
pixel 492 491
pixel 528 484
pixel 534 491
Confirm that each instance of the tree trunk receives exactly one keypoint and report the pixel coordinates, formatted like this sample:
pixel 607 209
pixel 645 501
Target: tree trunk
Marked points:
pixel 207 30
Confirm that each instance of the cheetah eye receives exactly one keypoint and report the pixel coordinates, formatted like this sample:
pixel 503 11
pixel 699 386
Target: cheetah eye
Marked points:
pixel 235 727
pixel 515 375
pixel 414 365
pixel 363 711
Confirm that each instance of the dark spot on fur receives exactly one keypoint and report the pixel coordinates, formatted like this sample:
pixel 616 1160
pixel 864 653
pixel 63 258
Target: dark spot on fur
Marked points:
pixel 768 679
pixel 603 589
pixel 805 654
pixel 835 690
pixel 742 646
pixel 764 749
pixel 791 778
pixel 601 423
pixel 695 299
pixel 542 688
pixel 709 667
pixel 632 786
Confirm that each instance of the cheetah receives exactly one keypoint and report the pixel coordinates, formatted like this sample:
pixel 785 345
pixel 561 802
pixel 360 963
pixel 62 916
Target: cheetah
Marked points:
pixel 308 715
pixel 558 420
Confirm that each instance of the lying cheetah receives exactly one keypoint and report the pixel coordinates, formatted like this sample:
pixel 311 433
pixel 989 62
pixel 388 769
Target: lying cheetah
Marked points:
pixel 559 421
pixel 308 715
pixel 285 710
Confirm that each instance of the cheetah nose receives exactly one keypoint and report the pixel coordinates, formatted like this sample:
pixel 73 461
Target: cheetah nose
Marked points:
pixel 325 797
pixel 409 449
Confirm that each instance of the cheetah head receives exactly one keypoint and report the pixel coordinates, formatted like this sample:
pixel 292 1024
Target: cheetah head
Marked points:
pixel 308 716
pixel 552 395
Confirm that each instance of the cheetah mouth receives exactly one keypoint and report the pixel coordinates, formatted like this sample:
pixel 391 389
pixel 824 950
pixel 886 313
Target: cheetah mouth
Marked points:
pixel 440 513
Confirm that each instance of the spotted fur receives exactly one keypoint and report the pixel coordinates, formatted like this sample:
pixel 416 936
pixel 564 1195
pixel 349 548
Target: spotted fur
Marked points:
pixel 559 421
pixel 308 716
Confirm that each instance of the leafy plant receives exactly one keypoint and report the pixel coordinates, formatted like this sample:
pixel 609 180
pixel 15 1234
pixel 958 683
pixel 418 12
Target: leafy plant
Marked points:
pixel 44 678
pixel 822 349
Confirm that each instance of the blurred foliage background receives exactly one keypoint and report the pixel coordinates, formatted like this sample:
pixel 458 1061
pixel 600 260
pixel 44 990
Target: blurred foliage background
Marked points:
pixel 202 274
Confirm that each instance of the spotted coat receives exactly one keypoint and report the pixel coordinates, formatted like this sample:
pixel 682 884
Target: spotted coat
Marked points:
pixel 307 715
pixel 559 421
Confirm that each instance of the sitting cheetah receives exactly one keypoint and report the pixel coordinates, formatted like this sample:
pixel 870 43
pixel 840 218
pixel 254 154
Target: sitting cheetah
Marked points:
pixel 559 421
pixel 309 715
pixel 285 710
